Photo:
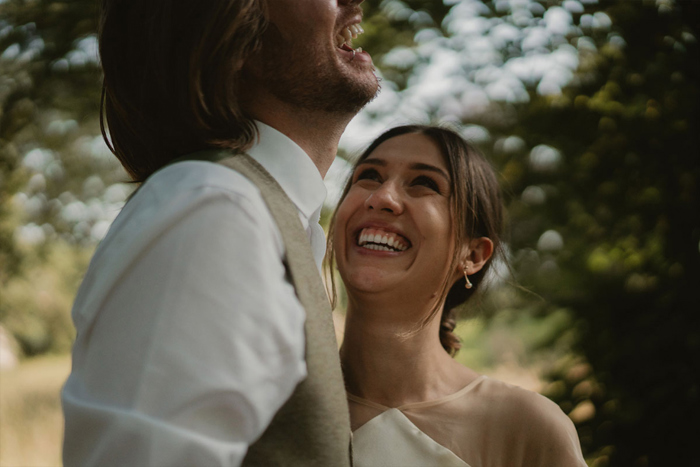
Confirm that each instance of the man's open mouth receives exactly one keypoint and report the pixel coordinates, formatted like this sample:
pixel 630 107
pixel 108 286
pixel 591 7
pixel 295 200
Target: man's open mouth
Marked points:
pixel 378 239
pixel 344 39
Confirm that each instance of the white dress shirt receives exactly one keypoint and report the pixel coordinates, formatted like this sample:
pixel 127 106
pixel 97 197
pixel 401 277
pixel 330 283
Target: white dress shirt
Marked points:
pixel 189 335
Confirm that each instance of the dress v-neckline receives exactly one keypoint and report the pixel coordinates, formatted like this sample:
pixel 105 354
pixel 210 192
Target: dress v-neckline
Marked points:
pixel 422 404
pixel 392 439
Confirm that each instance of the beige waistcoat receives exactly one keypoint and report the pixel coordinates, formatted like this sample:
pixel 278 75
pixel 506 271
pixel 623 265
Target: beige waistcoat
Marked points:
pixel 313 427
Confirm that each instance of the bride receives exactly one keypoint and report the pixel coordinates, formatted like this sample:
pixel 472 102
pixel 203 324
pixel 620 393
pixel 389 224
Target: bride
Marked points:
pixel 415 232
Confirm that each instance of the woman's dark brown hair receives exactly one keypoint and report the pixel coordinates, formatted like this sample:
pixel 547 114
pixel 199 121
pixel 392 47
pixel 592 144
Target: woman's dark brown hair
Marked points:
pixel 171 75
pixel 477 211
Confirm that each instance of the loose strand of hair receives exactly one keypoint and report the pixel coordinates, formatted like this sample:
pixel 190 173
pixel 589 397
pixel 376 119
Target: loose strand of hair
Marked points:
pixel 103 116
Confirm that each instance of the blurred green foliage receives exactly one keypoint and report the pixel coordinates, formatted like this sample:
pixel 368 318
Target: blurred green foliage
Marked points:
pixel 604 219
pixel 38 302
pixel 625 200
pixel 51 169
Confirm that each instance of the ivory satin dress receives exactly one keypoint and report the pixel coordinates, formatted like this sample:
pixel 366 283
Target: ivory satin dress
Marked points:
pixel 486 424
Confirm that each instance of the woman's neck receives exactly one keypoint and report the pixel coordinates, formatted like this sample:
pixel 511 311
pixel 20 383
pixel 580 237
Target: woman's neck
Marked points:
pixel 389 361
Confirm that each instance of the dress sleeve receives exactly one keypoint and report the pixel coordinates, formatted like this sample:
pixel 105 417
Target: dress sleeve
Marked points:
pixel 194 349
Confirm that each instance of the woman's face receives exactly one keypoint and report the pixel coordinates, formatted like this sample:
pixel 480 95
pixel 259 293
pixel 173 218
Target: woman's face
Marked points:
pixel 393 229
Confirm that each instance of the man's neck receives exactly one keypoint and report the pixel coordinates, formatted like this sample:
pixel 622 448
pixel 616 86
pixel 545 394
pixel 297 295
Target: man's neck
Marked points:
pixel 317 133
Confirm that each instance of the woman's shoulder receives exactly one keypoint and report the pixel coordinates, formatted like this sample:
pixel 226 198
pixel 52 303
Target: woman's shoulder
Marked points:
pixel 531 424
pixel 512 394
pixel 521 406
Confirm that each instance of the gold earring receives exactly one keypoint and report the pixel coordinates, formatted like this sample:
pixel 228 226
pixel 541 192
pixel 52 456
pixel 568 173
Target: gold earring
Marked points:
pixel 468 285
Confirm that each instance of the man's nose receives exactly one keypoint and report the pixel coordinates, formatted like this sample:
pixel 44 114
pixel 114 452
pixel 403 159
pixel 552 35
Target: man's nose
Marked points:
pixel 386 198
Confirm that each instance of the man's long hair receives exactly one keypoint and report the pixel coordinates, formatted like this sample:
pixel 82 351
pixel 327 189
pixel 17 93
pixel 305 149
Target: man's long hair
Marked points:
pixel 171 77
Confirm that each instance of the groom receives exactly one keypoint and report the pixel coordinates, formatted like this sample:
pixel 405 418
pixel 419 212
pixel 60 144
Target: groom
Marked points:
pixel 197 342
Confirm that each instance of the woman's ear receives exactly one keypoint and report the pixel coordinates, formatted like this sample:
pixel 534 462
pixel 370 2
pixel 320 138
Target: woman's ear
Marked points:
pixel 475 253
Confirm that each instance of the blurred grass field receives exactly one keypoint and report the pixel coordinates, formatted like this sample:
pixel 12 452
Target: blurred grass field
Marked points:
pixel 31 422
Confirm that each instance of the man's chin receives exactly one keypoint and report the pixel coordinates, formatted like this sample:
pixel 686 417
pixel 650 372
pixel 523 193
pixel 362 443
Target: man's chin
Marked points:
pixel 330 86
pixel 355 101
pixel 358 90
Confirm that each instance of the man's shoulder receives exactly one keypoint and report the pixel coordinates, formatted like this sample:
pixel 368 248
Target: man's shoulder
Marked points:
pixel 183 188
pixel 205 197
pixel 198 208
pixel 196 176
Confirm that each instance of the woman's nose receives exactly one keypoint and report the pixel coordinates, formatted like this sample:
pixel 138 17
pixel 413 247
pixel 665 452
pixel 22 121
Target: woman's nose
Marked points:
pixel 385 198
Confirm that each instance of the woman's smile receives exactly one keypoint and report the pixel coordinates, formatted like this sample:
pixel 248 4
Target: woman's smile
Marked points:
pixel 382 239
pixel 394 225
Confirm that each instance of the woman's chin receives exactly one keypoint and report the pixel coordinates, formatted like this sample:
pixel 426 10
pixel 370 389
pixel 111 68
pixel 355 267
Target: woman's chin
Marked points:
pixel 370 280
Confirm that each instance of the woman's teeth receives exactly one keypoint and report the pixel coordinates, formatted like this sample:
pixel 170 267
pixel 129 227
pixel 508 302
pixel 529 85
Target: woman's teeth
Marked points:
pixel 378 247
pixel 348 34
pixel 375 239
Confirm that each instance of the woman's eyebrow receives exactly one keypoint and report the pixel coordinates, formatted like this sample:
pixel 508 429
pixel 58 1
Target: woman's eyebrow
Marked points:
pixel 372 161
pixel 415 166
pixel 429 168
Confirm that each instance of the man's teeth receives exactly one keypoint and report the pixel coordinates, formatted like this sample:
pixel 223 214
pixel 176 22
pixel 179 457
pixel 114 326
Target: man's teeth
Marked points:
pixel 348 34
pixel 384 241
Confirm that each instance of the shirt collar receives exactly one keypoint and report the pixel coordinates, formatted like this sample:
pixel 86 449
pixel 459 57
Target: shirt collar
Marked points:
pixel 291 167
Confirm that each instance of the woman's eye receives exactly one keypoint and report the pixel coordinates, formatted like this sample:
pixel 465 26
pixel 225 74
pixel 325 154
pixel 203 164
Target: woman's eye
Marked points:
pixel 368 174
pixel 427 182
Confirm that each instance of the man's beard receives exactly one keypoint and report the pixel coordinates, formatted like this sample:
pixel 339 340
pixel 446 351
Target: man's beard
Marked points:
pixel 311 85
